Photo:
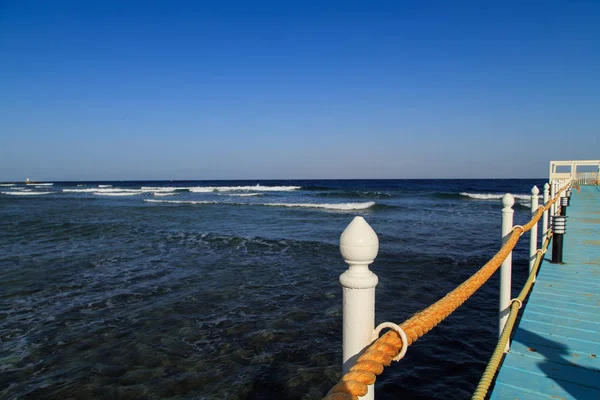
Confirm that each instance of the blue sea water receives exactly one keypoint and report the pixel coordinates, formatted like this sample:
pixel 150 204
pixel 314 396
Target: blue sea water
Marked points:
pixel 229 289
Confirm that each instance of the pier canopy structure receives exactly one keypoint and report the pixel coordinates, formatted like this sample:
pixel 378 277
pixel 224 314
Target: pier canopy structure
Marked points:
pixel 580 172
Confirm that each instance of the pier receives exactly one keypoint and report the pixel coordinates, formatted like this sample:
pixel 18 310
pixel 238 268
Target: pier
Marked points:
pixel 552 353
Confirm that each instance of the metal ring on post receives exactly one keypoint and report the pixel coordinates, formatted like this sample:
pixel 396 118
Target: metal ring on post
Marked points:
pixel 400 332
pixel 517 300
pixel 519 226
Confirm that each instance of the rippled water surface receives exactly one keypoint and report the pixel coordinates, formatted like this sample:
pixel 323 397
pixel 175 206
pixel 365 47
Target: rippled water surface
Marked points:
pixel 229 290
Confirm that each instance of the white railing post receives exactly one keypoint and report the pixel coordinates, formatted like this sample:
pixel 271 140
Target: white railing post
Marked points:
pixel 506 268
pixel 359 246
pixel 545 216
pixel 553 207
pixel 534 229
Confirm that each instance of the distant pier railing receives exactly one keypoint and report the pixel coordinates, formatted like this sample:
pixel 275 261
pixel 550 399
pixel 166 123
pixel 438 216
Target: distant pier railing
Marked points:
pixel 587 178
pixel 365 353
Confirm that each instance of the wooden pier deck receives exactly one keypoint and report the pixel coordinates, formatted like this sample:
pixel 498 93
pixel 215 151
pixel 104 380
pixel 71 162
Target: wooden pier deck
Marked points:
pixel 555 352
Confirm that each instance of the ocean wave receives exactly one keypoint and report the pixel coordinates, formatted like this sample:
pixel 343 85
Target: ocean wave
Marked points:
pixel 164 193
pixel 116 193
pixel 7 184
pixel 104 186
pixel 181 201
pixel 359 194
pixel 44 184
pixel 162 188
pixel 24 193
pixel 244 194
pixel 494 196
pixel 208 189
pixel 327 206
pixel 103 190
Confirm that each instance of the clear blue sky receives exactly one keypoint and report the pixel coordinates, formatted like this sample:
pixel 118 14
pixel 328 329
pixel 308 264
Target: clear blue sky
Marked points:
pixel 102 90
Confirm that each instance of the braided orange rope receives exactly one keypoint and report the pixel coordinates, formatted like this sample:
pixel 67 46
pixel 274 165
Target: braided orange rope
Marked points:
pixel 380 353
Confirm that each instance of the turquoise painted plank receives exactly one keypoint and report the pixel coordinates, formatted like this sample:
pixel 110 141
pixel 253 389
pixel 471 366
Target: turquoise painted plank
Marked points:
pixel 575 302
pixel 532 385
pixel 558 330
pixel 546 369
pixel 545 338
pixel 550 282
pixel 574 282
pixel 570 275
pixel 570 285
pixel 566 313
pixel 584 300
pixel 561 320
pixel 557 355
pixel 503 391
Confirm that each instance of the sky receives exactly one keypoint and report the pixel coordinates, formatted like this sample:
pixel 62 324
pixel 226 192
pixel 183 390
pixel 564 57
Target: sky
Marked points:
pixel 140 90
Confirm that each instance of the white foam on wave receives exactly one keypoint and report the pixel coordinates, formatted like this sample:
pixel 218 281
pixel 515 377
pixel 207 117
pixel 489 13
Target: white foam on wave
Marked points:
pixel 116 193
pixel 164 193
pixel 244 194
pixel 7 184
pixel 24 193
pixel 495 196
pixel 102 190
pixel 161 189
pixel 104 186
pixel 165 188
pixel 181 201
pixel 44 184
pixel 207 189
pixel 327 206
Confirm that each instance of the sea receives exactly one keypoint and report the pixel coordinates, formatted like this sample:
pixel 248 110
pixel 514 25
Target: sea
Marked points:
pixel 230 289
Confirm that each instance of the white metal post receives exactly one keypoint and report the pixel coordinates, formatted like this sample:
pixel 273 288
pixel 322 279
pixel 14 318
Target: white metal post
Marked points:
pixel 534 229
pixel 545 216
pixel 359 246
pixel 552 194
pixel 506 268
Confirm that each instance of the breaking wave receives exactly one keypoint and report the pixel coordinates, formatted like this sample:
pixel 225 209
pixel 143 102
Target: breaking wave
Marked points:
pixel 102 190
pixel 244 194
pixel 494 196
pixel 181 201
pixel 117 193
pixel 326 206
pixel 23 193
pixel 207 189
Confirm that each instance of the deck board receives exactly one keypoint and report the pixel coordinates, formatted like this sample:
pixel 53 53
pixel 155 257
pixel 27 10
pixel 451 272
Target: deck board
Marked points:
pixel 555 348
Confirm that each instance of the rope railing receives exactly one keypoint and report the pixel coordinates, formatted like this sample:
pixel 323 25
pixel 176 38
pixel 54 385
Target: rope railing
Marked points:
pixel 383 350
